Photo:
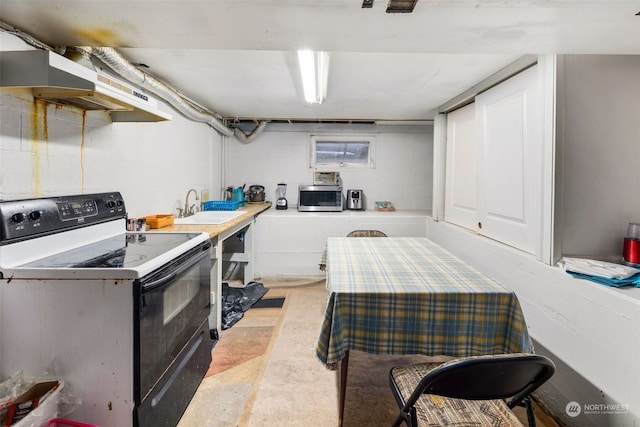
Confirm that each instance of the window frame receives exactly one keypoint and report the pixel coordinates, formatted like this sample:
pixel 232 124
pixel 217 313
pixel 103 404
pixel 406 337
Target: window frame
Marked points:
pixel 355 138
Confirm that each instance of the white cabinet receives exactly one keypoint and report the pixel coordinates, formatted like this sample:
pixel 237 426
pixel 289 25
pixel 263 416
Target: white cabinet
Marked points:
pixel 494 163
pixel 290 243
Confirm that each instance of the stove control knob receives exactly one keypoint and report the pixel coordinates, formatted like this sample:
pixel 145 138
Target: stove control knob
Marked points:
pixel 35 215
pixel 111 204
pixel 18 217
pixel 119 202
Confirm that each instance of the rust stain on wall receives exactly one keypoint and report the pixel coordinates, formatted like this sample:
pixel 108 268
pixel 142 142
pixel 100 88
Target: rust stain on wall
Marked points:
pixel 39 137
pixel 82 146
pixel 39 144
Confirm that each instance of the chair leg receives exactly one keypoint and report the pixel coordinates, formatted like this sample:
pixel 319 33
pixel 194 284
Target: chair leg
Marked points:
pixel 531 418
pixel 413 417
pixel 409 416
pixel 398 421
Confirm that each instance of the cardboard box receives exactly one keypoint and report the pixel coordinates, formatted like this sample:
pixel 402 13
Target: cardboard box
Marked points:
pixel 30 400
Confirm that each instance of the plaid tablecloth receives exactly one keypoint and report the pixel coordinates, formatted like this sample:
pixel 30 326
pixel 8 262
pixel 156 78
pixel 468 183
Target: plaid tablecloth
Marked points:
pixel 410 296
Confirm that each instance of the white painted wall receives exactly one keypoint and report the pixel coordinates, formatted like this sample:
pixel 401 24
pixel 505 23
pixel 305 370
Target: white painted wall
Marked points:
pixel 49 150
pixel 402 175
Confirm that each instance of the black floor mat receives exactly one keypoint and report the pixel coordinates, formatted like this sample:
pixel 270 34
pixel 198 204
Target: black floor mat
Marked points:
pixel 269 303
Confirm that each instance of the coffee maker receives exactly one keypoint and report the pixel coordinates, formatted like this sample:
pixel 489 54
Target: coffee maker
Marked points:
pixel 281 201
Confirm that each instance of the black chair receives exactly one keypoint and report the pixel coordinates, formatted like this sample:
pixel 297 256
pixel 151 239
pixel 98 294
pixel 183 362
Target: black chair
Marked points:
pixel 469 391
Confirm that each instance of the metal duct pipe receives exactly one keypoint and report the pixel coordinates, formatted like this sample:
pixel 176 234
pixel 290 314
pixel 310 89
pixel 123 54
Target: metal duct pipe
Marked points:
pixel 28 38
pixel 120 65
pixel 247 138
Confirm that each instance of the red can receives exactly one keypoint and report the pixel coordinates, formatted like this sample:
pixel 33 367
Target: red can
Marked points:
pixel 631 251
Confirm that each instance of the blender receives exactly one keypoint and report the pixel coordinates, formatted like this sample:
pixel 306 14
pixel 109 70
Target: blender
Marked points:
pixel 281 202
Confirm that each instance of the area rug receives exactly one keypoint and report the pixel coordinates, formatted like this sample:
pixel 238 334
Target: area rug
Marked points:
pixel 239 345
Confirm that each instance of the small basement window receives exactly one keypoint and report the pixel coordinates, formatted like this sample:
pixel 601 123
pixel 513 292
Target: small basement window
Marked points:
pixel 353 151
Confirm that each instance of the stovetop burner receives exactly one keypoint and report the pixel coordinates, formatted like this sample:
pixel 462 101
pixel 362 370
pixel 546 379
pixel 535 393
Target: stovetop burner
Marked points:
pixel 128 250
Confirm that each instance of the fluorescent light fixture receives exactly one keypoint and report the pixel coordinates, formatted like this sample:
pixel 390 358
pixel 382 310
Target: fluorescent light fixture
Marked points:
pixel 314 67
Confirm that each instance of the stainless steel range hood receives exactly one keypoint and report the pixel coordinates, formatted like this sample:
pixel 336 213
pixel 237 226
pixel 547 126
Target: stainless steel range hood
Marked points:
pixel 57 79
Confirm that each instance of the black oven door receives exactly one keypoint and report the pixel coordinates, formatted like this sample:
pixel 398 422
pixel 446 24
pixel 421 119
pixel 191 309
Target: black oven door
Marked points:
pixel 167 401
pixel 173 303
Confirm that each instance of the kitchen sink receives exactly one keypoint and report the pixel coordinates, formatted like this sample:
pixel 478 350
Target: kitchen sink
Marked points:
pixel 209 217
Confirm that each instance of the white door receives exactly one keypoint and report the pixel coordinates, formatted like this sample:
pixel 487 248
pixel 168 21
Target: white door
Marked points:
pixel 509 132
pixel 460 174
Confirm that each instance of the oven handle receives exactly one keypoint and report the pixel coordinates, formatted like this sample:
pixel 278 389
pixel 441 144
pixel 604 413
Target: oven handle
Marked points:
pixel 165 280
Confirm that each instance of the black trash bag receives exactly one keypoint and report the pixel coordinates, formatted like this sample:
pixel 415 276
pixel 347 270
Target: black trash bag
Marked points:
pixel 235 301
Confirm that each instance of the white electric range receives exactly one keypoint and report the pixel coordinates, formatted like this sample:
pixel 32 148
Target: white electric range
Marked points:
pixel 121 317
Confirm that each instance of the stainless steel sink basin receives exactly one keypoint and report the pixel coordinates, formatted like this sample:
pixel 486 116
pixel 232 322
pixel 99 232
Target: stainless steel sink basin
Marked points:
pixel 209 217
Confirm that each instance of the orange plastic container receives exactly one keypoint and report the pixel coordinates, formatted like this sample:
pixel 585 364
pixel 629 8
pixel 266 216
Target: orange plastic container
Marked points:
pixel 159 221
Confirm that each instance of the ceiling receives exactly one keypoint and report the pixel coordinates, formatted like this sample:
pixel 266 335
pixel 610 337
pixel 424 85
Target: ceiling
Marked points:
pixel 238 58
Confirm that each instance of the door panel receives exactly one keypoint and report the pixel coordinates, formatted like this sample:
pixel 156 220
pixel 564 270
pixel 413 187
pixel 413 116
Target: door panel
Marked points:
pixel 461 176
pixel 504 158
pixel 509 168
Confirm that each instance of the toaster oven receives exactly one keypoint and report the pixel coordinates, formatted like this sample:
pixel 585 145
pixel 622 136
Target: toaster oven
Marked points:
pixel 320 198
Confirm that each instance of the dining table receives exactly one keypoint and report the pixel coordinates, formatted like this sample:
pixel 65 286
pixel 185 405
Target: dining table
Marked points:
pixel 410 296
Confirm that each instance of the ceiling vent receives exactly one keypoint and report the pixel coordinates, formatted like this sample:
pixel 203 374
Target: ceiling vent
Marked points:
pixel 401 6
pixel 59 80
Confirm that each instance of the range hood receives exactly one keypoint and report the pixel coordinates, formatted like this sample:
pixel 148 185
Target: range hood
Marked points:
pixel 59 80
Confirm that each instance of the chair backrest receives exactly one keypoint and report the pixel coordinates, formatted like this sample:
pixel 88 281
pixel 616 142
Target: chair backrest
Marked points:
pixel 501 376
pixel 366 233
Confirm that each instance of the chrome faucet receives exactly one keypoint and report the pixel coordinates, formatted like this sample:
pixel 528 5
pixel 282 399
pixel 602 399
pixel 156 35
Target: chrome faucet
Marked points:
pixel 188 210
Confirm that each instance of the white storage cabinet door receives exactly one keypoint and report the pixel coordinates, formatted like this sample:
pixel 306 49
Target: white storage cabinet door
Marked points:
pixel 461 169
pixel 509 132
